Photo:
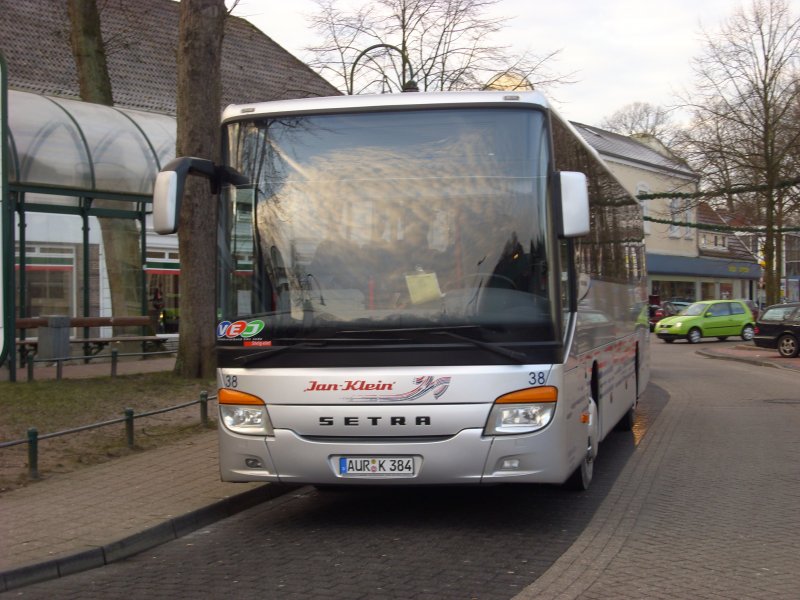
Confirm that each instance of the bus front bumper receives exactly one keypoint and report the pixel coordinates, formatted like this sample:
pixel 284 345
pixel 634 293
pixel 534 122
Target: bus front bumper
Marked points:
pixel 468 457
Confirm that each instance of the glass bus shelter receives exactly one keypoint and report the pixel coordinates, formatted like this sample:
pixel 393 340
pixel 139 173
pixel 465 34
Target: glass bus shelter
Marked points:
pixel 77 182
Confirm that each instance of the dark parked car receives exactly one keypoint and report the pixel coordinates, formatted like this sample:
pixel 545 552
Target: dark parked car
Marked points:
pixel 674 307
pixel 665 309
pixel 655 314
pixel 778 327
pixel 753 308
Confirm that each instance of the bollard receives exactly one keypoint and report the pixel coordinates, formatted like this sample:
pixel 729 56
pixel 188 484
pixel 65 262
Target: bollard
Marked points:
pixel 129 426
pixel 29 364
pixel 114 358
pixel 204 408
pixel 33 453
pixel 59 369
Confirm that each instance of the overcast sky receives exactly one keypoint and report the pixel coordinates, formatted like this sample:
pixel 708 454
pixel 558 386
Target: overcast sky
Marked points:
pixel 621 51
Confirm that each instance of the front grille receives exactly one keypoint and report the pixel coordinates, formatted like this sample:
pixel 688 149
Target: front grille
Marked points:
pixel 376 440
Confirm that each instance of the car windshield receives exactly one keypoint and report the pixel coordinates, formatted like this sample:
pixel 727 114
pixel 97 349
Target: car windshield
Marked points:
pixel 695 310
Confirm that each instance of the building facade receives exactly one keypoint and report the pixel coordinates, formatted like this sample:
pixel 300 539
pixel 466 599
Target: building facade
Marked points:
pixel 684 262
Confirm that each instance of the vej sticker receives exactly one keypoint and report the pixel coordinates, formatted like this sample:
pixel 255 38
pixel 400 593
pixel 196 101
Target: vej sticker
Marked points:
pixel 239 329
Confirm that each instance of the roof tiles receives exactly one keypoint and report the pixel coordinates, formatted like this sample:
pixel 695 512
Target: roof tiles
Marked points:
pixel 141 40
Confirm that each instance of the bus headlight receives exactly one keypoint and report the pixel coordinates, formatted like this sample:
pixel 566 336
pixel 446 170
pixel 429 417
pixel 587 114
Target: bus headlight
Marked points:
pixel 523 411
pixel 243 413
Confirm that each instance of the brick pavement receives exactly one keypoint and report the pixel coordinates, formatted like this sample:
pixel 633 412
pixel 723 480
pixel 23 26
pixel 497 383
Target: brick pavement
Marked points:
pixel 707 506
pixel 84 519
pixel 94 515
pixel 73 521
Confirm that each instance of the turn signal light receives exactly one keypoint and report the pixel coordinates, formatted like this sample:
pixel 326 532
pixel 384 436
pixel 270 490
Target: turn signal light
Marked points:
pixel 229 396
pixel 545 393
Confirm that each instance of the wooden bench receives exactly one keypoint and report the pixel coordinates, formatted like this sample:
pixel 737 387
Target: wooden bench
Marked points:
pixel 93 345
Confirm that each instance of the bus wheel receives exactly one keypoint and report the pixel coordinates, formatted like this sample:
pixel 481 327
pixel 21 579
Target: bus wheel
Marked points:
pixel 581 477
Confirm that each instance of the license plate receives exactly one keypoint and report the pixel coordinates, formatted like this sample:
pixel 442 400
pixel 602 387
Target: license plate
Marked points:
pixel 376 465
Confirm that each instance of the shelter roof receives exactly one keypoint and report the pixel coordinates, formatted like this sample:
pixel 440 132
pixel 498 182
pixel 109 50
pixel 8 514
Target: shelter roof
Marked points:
pixel 71 144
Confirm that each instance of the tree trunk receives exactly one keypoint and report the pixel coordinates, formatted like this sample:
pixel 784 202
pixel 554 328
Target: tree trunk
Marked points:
pixel 121 238
pixel 198 106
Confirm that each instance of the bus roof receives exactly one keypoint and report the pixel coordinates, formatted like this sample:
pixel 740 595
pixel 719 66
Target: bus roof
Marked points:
pixel 382 101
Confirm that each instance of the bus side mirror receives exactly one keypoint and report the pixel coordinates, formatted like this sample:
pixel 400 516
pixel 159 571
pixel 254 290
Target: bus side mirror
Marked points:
pixel 574 194
pixel 168 190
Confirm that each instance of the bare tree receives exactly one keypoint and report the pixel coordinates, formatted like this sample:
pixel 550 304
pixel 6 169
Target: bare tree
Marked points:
pixel 121 239
pixel 201 31
pixel 641 118
pixel 440 45
pixel 744 127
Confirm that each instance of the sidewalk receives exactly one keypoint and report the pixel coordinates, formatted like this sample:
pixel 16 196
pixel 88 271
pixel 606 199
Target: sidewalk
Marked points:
pixel 85 519
pixel 76 521
pixel 96 515
pixel 749 353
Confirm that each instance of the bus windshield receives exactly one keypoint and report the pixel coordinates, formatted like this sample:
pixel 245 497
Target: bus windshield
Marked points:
pixel 390 220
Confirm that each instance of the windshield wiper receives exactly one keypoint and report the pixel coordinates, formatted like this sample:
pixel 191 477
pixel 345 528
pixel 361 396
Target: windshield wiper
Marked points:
pixel 448 331
pixel 250 358
pixel 307 343
pixel 426 329
pixel 518 357
pixel 512 354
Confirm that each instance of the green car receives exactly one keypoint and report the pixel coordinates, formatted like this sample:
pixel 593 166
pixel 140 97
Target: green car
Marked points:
pixel 709 318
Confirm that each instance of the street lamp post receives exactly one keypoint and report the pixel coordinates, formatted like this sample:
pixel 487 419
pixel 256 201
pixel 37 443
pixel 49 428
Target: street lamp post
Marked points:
pixel 410 85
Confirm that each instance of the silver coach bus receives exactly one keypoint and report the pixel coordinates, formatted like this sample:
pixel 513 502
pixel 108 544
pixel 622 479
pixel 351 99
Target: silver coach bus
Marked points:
pixel 419 289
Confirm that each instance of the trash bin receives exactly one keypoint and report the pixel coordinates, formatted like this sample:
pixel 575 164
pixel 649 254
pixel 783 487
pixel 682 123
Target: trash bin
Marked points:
pixel 54 338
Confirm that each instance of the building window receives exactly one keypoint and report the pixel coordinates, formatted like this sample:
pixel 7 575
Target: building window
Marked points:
pixel 675 214
pixel 687 218
pixel 50 280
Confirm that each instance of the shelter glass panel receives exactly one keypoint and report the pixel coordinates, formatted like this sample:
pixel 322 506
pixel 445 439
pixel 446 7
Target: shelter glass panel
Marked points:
pixel 46 144
pixel 122 159
pixel 160 131
pixel 49 269
pixel 121 266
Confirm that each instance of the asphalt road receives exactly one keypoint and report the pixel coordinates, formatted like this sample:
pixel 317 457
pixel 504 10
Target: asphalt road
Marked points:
pixel 455 542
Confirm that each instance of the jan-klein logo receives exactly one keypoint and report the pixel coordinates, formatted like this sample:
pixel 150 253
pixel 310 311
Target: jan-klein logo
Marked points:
pixel 422 386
